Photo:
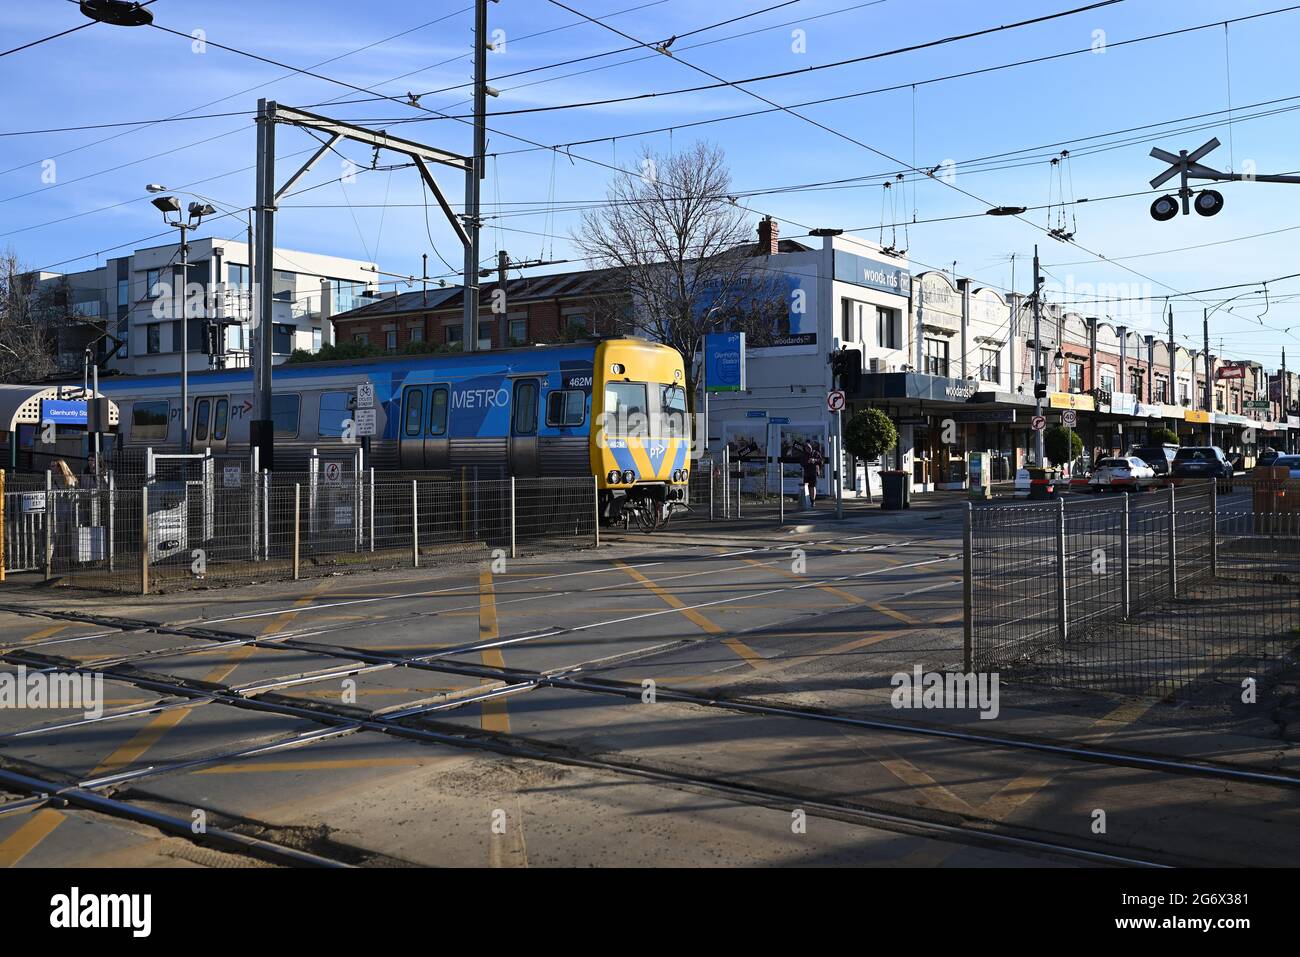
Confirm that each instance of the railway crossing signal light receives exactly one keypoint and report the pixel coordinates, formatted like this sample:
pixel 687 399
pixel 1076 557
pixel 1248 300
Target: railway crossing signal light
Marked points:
pixel 1187 166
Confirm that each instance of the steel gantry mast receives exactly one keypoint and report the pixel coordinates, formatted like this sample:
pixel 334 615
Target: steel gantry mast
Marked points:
pixel 269 113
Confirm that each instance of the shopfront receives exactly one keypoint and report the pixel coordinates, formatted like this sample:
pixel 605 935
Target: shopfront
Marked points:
pixel 934 435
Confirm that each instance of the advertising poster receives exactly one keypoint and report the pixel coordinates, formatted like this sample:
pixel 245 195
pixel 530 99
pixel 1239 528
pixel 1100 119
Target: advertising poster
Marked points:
pixel 746 442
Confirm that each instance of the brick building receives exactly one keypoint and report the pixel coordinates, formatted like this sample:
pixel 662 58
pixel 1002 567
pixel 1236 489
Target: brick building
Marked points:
pixel 538 309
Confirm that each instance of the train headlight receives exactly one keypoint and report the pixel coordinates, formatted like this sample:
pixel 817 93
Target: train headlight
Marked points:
pixel 613 476
pixel 628 476
pixel 685 475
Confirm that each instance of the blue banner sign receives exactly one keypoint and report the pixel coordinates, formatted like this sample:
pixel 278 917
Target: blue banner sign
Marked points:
pixel 63 411
pixel 724 362
pixel 756 414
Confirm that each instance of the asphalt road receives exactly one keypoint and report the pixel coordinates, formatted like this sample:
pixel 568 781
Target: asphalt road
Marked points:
pixel 692 698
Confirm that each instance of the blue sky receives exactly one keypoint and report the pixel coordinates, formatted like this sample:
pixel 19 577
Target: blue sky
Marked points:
pixel 104 74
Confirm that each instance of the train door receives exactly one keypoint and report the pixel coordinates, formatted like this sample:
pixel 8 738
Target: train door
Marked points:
pixel 437 448
pixel 411 429
pixel 211 423
pixel 524 407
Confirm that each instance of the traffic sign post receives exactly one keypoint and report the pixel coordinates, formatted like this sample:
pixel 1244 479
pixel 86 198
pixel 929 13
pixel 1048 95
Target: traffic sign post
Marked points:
pixel 1038 423
pixel 835 403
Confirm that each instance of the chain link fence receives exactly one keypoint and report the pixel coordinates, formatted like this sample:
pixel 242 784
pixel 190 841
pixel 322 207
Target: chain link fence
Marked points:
pixel 194 527
pixel 1161 594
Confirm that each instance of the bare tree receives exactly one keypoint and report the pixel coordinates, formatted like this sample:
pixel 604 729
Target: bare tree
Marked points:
pixel 680 257
pixel 27 315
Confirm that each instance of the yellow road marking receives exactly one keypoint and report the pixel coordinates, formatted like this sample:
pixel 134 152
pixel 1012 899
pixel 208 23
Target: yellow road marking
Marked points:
pixel 935 793
pixel 495 718
pixel 160 724
pixel 829 589
pixel 34 830
pixel 709 626
pixel 885 610
pixel 43 633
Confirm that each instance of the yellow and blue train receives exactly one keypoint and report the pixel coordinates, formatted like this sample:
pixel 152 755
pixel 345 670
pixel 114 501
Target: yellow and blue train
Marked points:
pixel 614 409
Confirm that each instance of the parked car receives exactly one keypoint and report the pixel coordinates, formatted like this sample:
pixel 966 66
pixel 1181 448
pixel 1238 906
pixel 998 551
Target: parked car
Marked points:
pixel 1159 457
pixel 1122 473
pixel 1202 461
pixel 1289 461
pixel 1267 457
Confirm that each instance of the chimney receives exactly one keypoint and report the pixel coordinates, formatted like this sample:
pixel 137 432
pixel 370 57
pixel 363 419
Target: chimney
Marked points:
pixel 767 237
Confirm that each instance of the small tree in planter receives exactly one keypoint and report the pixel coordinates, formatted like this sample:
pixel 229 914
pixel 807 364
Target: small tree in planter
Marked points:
pixel 1062 445
pixel 1164 437
pixel 868 435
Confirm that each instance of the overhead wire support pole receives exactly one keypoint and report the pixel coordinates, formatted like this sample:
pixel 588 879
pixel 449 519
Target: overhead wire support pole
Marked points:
pixel 473 176
pixel 269 113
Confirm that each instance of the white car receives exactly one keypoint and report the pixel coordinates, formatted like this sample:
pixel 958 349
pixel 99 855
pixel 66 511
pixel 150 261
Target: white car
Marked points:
pixel 1122 473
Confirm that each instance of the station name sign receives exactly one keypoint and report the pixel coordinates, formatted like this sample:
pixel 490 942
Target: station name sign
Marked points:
pixel 63 411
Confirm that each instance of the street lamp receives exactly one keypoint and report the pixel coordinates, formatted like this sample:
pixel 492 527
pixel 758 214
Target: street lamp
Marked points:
pixel 227 209
pixel 170 206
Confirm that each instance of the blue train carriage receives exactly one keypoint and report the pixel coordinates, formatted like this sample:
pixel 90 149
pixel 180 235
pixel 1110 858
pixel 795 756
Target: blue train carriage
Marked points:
pixel 527 412
pixel 311 406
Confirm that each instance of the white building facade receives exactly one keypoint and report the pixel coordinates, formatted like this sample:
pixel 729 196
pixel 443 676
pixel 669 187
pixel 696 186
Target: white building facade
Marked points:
pixel 137 300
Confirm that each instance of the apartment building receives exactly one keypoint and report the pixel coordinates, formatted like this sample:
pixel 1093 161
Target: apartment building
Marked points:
pixel 129 311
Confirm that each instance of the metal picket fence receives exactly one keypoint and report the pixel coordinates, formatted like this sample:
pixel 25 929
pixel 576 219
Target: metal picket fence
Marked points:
pixel 1160 594
pixel 180 531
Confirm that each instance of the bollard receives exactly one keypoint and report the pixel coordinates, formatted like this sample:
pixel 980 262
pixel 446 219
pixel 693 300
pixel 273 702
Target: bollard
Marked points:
pixel 415 524
pixel 297 527
pixel 1173 566
pixel 144 540
pixel 372 508
pixel 513 553
pixel 968 591
pixel 780 500
pixel 1062 622
pixel 2 525
pixel 712 514
pixel 1124 570
pixel 50 513
pixel 595 486
pixel 738 481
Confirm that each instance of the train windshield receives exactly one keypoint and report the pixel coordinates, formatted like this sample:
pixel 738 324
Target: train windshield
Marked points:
pixel 672 412
pixel 626 410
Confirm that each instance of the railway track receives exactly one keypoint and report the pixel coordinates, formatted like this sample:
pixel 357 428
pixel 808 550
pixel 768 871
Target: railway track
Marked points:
pixel 261 696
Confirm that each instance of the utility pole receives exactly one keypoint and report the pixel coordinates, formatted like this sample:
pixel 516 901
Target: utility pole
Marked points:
pixel 1038 353
pixel 473 176
pixel 185 341
pixel 1209 378
pixel 1172 397
pixel 262 428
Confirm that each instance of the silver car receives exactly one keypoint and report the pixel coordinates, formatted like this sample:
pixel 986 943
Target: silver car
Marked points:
pixel 1126 473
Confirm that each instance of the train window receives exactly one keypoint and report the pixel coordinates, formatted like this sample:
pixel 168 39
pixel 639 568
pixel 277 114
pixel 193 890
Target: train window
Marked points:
pixel 201 412
pixel 438 411
pixel 219 419
pixel 149 420
pixel 335 409
pixel 672 411
pixel 414 411
pixel 566 408
pixel 625 409
pixel 524 421
pixel 284 413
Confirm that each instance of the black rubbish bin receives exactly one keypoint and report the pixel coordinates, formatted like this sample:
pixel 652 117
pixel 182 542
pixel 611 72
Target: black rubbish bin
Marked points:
pixel 896 490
